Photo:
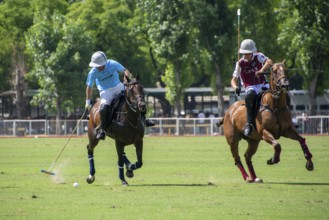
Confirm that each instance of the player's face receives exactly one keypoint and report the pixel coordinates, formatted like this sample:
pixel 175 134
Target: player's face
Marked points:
pixel 100 68
pixel 247 56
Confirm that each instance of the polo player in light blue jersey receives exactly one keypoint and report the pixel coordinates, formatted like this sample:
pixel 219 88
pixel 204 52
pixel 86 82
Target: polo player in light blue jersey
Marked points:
pixel 105 73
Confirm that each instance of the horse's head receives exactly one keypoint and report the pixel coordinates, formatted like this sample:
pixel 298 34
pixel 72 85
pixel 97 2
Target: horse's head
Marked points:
pixel 279 77
pixel 135 93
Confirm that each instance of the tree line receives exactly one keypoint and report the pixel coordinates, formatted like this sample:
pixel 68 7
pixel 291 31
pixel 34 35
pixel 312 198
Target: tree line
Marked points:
pixel 47 45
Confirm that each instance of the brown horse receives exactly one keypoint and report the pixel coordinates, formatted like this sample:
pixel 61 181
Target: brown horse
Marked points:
pixel 125 128
pixel 273 120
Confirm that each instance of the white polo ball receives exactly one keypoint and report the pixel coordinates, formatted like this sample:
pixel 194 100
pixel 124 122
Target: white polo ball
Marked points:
pixel 76 184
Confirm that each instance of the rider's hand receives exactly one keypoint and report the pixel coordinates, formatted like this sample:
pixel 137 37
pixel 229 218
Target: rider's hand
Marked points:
pixel 259 73
pixel 237 91
pixel 88 105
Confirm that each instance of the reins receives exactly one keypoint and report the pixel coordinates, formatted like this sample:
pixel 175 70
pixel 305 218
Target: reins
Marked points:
pixel 132 105
pixel 275 94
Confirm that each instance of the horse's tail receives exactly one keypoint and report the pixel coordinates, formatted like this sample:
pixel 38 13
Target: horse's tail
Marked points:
pixel 220 123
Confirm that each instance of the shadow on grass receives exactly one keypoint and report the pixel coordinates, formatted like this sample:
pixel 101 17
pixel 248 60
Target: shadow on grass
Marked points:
pixel 176 184
pixel 299 183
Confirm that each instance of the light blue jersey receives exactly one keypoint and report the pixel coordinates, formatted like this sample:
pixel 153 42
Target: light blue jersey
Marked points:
pixel 107 78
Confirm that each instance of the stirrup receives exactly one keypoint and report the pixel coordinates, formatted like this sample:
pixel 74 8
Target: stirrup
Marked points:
pixel 248 129
pixel 101 135
pixel 149 123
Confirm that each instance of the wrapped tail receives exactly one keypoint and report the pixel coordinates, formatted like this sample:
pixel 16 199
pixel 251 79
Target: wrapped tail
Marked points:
pixel 220 123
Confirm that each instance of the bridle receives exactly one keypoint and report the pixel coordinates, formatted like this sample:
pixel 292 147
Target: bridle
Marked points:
pixel 279 84
pixel 283 78
pixel 133 101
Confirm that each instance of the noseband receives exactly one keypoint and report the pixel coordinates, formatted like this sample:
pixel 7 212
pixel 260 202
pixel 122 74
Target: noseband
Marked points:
pixel 279 80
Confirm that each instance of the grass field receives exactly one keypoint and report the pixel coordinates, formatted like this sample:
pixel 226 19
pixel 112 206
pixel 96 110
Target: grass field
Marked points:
pixel 182 178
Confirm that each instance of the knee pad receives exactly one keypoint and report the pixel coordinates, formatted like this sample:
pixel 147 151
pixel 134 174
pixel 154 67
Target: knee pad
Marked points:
pixel 250 97
pixel 104 107
pixel 251 93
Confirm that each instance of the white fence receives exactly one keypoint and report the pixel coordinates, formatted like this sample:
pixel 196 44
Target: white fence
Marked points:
pixel 164 127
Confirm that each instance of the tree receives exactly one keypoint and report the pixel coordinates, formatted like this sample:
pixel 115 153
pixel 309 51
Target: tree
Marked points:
pixel 213 22
pixel 305 37
pixel 172 37
pixel 15 19
pixel 113 24
pixel 60 52
pixel 259 21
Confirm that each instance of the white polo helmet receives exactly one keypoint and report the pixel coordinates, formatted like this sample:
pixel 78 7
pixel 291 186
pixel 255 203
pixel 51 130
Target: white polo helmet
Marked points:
pixel 247 46
pixel 98 59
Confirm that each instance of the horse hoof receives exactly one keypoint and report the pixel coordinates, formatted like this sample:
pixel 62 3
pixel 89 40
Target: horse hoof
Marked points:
pixel 258 180
pixel 90 179
pixel 270 162
pixel 125 183
pixel 273 161
pixel 130 173
pixel 309 165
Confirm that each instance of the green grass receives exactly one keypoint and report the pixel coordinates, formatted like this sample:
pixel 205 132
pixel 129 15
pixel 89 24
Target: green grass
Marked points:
pixel 182 178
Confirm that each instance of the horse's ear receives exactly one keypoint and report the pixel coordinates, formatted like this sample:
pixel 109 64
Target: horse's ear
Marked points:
pixel 126 79
pixel 137 76
pixel 284 61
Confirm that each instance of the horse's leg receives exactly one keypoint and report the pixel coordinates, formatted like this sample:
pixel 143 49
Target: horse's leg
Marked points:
pixel 91 178
pixel 293 134
pixel 90 148
pixel 268 137
pixel 129 172
pixel 234 146
pixel 139 153
pixel 251 150
pixel 131 167
pixel 92 124
pixel 243 171
pixel 120 151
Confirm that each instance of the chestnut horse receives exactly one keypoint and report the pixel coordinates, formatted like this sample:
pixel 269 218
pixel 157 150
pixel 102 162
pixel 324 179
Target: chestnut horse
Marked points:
pixel 273 120
pixel 125 128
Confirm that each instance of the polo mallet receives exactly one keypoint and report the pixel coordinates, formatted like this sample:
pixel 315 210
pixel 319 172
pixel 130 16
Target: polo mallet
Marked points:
pixel 51 166
pixel 238 13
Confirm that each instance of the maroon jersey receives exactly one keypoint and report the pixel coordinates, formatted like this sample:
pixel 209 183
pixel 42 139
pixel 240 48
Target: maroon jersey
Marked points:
pixel 248 70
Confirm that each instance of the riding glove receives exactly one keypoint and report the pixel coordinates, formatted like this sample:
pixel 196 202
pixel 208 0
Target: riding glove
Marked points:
pixel 237 91
pixel 88 105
